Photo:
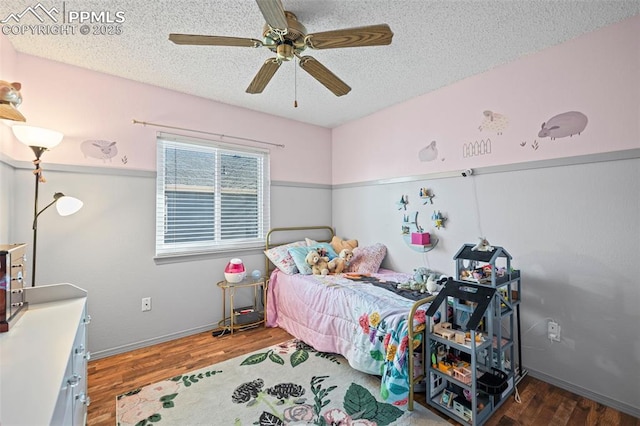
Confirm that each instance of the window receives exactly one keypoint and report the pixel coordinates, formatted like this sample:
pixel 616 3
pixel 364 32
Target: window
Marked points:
pixel 210 197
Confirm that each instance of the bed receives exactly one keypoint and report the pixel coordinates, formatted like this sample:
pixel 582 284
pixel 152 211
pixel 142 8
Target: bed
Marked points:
pixel 362 316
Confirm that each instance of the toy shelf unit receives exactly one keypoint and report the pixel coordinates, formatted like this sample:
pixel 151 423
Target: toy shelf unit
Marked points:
pixel 493 268
pixel 471 371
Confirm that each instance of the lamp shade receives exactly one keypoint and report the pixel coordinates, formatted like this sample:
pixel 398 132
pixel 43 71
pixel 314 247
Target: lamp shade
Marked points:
pixel 36 136
pixel 68 205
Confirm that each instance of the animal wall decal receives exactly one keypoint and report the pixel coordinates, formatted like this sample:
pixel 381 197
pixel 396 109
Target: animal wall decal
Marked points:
pixel 494 122
pixel 562 125
pixel 100 149
pixel 429 152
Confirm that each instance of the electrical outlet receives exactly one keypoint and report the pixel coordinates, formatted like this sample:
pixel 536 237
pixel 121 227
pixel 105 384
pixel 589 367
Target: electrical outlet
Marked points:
pixel 554 331
pixel 146 304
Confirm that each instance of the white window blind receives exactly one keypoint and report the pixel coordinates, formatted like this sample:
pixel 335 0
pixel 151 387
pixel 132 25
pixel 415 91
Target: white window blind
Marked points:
pixel 210 196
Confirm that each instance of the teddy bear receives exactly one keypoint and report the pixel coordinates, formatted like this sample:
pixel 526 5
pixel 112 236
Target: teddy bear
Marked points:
pixel 319 264
pixel 340 263
pixel 339 244
pixel 10 99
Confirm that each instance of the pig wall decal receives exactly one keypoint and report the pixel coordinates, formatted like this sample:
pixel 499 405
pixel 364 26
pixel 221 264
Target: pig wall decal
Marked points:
pixel 563 125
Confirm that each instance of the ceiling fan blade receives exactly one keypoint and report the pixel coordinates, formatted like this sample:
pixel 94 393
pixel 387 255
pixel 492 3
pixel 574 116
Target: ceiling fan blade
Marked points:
pixel 273 13
pixel 324 76
pixel 206 40
pixel 263 77
pixel 372 35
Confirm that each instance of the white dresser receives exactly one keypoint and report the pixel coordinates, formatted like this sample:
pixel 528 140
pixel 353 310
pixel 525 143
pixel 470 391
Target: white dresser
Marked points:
pixel 43 360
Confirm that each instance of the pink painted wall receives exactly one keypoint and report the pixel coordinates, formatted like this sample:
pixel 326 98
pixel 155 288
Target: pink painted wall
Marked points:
pixel 7 73
pixel 88 105
pixel 596 74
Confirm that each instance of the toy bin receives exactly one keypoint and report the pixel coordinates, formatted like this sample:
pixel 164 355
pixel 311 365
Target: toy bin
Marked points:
pixel 421 238
pixel 493 383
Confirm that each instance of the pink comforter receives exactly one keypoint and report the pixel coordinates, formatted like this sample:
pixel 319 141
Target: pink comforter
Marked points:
pixel 364 323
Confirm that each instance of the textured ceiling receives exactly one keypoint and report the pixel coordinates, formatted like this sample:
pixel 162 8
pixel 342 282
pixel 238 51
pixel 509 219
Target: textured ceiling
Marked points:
pixel 436 43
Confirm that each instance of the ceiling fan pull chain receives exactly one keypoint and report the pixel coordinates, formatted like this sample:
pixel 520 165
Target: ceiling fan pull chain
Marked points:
pixel 295 86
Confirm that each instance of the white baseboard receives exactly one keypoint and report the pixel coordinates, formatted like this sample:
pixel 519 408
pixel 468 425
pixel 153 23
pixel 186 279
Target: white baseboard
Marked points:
pixel 150 342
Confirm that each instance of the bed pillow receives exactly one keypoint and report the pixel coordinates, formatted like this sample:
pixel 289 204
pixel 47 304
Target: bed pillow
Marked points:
pixel 367 260
pixel 299 255
pixel 280 257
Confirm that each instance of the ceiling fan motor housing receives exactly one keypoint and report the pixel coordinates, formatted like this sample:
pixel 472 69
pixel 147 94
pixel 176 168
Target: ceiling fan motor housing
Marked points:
pixel 286 42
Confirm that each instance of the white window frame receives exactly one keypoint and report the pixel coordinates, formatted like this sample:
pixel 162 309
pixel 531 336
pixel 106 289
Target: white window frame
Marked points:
pixel 217 243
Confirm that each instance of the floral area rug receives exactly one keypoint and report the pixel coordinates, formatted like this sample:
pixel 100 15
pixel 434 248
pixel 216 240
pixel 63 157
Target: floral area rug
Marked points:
pixel 286 384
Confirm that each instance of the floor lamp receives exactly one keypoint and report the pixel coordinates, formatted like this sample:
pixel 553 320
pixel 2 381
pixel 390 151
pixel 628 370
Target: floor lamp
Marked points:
pixel 41 140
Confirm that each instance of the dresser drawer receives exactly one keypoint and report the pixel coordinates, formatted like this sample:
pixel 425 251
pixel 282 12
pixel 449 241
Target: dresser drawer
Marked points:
pixel 12 280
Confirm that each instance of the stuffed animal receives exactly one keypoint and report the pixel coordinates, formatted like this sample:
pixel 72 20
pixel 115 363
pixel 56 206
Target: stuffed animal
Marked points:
pixel 10 99
pixel 10 93
pixel 339 244
pixel 483 245
pixel 341 262
pixel 323 252
pixel 319 264
pixel 421 274
pixel 432 284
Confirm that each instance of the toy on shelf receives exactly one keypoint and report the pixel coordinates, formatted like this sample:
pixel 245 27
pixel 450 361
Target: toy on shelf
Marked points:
pixel 426 195
pixel 462 374
pixel 483 245
pixel 445 367
pixel 443 330
pixel 402 204
pixel 438 219
pixel 483 266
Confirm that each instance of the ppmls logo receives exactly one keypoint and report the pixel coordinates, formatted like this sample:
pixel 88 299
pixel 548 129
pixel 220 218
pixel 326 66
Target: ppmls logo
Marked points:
pixel 42 20
pixel 39 11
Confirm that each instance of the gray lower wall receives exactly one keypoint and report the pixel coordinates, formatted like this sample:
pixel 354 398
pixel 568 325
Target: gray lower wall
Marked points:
pixel 107 248
pixel 6 201
pixel 574 231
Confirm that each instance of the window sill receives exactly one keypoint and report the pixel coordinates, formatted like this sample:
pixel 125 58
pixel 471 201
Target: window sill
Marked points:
pixel 206 255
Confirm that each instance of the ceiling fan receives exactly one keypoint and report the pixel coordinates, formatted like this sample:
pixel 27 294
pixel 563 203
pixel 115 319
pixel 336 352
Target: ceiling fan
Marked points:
pixel 284 35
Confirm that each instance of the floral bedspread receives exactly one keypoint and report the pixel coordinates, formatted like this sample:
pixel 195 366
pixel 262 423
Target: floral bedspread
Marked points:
pixel 364 323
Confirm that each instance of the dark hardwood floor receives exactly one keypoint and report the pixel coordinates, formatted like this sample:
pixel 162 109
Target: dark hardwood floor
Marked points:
pixel 542 404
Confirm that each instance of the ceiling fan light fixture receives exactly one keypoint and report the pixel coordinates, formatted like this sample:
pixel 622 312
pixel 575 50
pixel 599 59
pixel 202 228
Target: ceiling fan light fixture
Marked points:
pixel 285 51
